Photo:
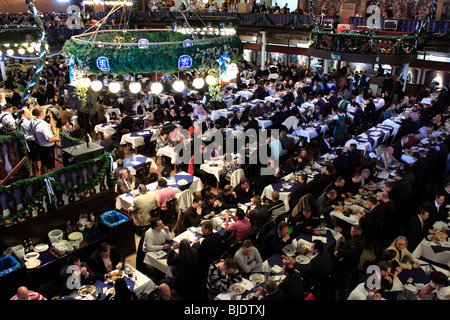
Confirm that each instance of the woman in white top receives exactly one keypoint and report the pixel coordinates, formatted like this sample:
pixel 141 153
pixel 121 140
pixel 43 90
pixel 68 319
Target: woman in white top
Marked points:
pixel 439 282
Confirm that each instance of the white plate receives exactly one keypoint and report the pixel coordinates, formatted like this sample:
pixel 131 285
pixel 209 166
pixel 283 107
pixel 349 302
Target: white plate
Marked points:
pixel 182 182
pixel 33 263
pixel 236 288
pixel 31 255
pixel 430 238
pixel 302 259
pixel 257 277
pixel 41 247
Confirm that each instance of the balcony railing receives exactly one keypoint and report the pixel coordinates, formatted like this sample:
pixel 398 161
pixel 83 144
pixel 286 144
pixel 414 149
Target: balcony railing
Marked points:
pixel 363 43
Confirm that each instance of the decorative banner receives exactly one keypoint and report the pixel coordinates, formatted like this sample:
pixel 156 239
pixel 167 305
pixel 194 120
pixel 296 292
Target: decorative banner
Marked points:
pixel 103 64
pixel 184 62
pixel 143 43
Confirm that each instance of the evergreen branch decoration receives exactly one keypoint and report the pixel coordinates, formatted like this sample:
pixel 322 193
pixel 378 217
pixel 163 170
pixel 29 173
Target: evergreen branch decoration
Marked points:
pixel 161 58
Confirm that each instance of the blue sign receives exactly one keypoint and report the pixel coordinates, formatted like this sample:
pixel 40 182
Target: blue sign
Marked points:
pixel 184 62
pixel 103 64
pixel 187 43
pixel 143 43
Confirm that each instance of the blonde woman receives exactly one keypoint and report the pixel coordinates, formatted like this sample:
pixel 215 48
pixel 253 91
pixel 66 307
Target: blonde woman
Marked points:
pixel 404 258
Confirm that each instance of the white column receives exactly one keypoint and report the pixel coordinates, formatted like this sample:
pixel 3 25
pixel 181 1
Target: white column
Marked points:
pixel 325 66
pixel 263 50
pixel 3 67
pixel 405 74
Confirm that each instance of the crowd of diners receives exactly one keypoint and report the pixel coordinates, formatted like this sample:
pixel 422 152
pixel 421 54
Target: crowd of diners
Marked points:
pixel 419 189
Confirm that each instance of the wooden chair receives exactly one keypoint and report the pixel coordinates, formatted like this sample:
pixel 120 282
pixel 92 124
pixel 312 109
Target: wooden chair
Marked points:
pixel 179 225
pixel 304 201
pixel 172 210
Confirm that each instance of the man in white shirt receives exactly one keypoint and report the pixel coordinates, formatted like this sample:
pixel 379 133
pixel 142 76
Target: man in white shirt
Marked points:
pixel 362 292
pixel 156 237
pixel 45 140
pixel 33 157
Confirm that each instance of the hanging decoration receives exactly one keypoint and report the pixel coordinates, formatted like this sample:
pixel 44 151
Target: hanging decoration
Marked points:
pixel 161 55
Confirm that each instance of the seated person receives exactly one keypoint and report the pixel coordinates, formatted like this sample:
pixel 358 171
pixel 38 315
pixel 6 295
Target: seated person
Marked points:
pixel 157 236
pixel 241 226
pixel 277 206
pixel 105 260
pixel 142 206
pixel 79 273
pixel 304 223
pixel 269 292
pixel 221 275
pixel 259 215
pixel 243 192
pixel 292 285
pixel 404 258
pixel 248 258
pixel 275 240
pixel 125 182
pixel 228 198
pixel 193 214
pixel 210 205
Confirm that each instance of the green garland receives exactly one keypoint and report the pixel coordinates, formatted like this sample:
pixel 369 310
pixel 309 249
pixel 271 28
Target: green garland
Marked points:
pixel 360 43
pixel 13 35
pixel 19 137
pixel 162 59
pixel 82 189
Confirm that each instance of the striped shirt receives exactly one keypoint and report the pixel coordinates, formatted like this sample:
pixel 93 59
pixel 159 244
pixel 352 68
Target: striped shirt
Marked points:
pixel 216 283
pixel 31 296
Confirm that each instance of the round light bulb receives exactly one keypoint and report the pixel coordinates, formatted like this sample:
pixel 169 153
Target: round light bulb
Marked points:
pixel 114 87
pixel 178 85
pixel 96 85
pixel 30 49
pixel 10 52
pixel 156 88
pixel 21 50
pixel 135 87
pixel 210 80
pixel 198 83
pixel 226 77
pixel 85 82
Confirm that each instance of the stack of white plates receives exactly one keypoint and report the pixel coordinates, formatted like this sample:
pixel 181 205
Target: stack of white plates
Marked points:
pixel 76 236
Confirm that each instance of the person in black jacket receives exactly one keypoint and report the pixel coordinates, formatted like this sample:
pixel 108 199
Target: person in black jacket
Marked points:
pixel 182 266
pixel 79 272
pixel 105 260
pixel 275 241
pixel 418 228
pixel 304 223
pixel 243 192
pixel 292 285
pixel 127 122
pixel 211 247
pixel 269 292
pixel 318 268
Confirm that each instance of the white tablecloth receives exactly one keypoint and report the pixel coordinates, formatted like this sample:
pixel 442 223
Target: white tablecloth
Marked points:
pixel 125 201
pixel 137 141
pixel 246 94
pixel 131 163
pixel 425 248
pixel 309 133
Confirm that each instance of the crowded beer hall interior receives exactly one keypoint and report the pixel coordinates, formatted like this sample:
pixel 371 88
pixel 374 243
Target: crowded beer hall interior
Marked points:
pixel 296 150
